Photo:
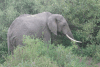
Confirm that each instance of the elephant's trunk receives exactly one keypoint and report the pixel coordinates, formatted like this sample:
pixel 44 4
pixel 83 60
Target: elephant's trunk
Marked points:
pixel 73 39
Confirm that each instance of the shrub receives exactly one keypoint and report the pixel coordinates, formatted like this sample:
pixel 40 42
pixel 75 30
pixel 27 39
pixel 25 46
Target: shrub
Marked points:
pixel 84 15
pixel 38 53
pixel 3 43
pixel 89 51
pixel 96 56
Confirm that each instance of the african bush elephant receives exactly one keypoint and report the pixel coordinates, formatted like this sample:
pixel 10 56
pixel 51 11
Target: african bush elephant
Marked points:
pixel 41 24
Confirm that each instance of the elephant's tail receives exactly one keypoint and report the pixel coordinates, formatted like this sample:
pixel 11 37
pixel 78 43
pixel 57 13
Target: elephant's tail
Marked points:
pixel 11 44
pixel 8 43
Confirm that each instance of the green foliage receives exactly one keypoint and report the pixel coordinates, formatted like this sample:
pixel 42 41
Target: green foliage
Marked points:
pixel 98 37
pixel 97 54
pixel 3 46
pixel 89 51
pixel 37 53
pixel 82 16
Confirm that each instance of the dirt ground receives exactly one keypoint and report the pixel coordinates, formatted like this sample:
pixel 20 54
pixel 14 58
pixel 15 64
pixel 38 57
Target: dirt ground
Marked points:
pixel 98 64
pixel 89 61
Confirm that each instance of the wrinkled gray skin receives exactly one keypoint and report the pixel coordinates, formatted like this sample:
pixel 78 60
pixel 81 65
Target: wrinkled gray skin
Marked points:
pixel 36 24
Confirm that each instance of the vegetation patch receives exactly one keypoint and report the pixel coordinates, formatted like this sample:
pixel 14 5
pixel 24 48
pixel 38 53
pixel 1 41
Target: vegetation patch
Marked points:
pixel 83 17
pixel 37 53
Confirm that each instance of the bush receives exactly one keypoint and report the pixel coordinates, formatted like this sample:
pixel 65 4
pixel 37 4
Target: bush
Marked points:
pixel 89 51
pixel 38 53
pixel 3 43
pixel 96 56
pixel 84 16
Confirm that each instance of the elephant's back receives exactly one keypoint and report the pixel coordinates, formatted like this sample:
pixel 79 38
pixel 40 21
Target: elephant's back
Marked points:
pixel 28 24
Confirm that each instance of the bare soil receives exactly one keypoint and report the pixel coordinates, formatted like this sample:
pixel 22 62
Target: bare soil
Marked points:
pixel 90 61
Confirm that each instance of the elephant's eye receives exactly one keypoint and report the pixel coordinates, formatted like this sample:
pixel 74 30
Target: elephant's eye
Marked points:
pixel 64 24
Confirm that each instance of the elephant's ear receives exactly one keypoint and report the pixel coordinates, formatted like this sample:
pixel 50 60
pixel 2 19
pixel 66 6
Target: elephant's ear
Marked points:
pixel 52 24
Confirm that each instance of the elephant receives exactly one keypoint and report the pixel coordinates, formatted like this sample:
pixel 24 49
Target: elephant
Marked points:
pixel 40 25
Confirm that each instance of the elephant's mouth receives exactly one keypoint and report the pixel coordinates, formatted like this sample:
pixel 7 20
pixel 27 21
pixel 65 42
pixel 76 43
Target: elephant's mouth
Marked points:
pixel 61 33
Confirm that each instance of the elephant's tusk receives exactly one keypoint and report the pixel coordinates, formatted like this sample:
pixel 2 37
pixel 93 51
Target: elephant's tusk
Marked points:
pixel 73 39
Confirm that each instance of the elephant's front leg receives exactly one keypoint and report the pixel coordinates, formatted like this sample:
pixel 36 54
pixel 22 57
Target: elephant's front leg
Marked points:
pixel 47 36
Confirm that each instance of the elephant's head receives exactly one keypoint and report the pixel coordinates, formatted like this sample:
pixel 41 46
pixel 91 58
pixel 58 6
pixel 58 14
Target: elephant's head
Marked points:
pixel 57 23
